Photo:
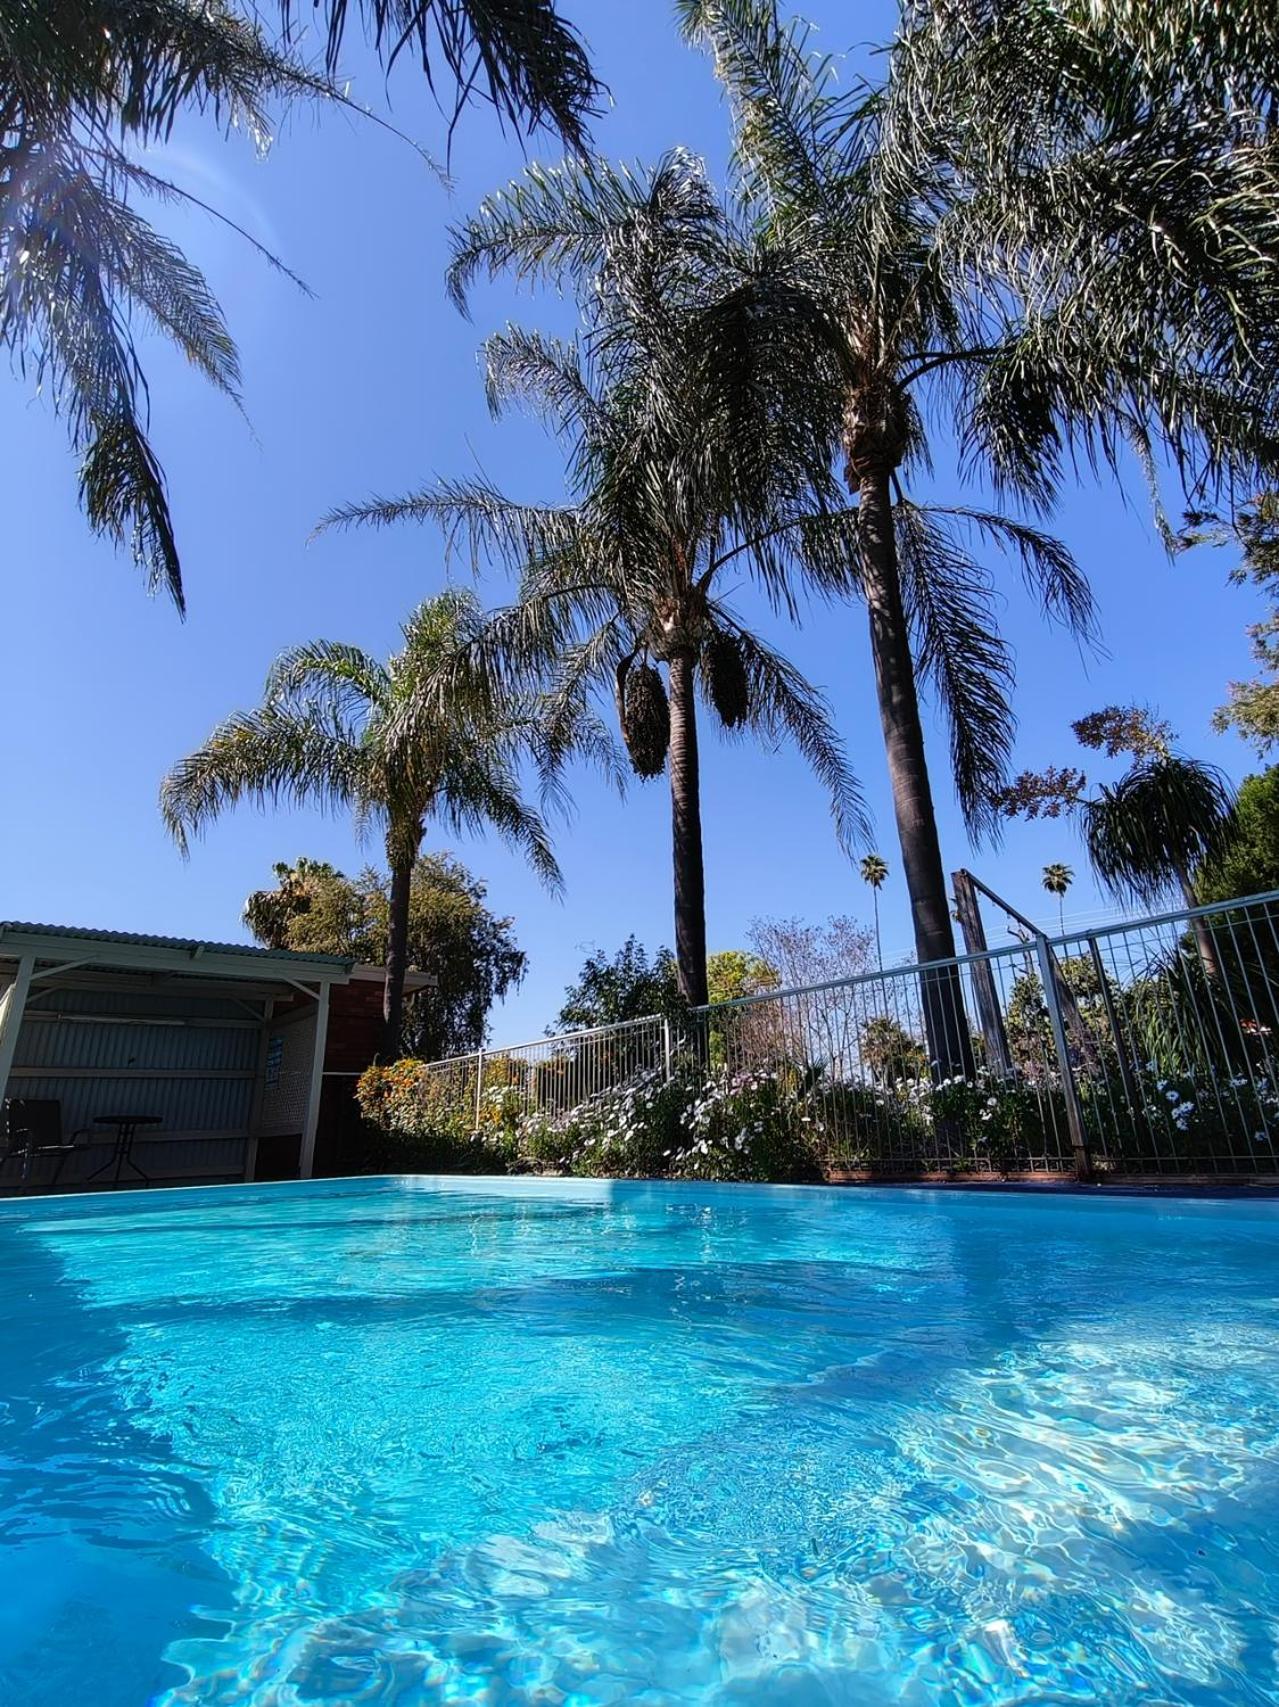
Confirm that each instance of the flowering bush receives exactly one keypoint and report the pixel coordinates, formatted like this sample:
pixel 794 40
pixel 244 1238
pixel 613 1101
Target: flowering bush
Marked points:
pixel 626 1133
pixel 1192 1117
pixel 746 1126
pixel 783 1124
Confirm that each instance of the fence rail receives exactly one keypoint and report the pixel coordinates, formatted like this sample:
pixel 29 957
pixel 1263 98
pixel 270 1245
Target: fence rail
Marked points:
pixel 1146 1047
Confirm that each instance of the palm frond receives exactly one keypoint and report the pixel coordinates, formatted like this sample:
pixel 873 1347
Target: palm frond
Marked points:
pixel 521 56
pixel 782 705
pixel 346 677
pixel 301 755
pixel 543 373
pixel 958 649
pixel 1047 565
pixel 475 793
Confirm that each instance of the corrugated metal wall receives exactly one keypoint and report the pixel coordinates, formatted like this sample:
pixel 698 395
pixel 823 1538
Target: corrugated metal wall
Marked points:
pixel 107 1052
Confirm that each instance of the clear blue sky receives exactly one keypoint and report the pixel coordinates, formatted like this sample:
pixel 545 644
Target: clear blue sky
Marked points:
pixel 370 385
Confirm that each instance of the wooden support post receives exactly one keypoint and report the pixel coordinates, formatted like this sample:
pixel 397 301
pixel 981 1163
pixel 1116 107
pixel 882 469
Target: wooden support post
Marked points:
pixel 989 1009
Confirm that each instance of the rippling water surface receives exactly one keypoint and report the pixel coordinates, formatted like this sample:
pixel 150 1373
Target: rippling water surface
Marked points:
pixel 531 1442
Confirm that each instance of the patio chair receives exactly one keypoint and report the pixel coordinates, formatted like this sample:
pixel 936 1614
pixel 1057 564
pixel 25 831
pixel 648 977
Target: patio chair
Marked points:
pixel 33 1127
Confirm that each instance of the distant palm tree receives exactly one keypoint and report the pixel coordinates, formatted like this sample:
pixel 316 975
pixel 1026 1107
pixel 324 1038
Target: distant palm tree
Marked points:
pixel 874 871
pixel 1057 880
pixel 413 741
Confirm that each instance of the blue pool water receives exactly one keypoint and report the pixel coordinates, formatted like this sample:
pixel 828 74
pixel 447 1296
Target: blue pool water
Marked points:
pixel 538 1442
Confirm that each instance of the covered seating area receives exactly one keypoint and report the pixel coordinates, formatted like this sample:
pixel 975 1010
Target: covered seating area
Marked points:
pixel 129 1060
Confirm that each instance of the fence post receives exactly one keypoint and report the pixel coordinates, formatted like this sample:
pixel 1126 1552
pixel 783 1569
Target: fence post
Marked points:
pixel 1069 1089
pixel 479 1084
pixel 666 1045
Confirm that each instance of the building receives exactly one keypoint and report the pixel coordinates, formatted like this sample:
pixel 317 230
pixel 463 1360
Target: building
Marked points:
pixel 237 1062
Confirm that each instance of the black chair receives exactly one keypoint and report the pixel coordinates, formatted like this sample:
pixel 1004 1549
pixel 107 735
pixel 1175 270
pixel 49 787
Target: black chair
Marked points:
pixel 33 1127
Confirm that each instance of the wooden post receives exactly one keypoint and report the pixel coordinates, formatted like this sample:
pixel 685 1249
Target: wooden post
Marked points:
pixel 989 1009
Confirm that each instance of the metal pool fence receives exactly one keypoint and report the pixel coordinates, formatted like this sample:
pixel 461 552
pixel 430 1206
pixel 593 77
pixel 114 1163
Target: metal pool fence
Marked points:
pixel 1147 1047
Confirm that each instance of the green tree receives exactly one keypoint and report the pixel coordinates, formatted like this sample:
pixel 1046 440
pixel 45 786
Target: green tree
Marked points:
pixel 1247 863
pixel 1057 879
pixel 313 909
pixel 732 973
pixel 418 740
pixel 874 870
pixel 1148 832
pixel 1253 706
pixel 1051 223
pixel 469 950
pixel 621 589
pixel 631 984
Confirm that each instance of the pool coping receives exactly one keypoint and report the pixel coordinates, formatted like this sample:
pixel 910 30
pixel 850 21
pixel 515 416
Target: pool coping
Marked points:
pixel 1249 1189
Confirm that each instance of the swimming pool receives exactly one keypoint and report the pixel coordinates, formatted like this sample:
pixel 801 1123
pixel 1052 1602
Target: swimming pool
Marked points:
pixel 564 1443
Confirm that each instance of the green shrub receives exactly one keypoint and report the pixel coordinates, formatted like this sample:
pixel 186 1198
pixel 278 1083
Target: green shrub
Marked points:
pixel 746 1126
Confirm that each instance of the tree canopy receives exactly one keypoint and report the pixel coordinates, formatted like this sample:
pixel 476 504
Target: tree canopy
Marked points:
pixel 452 934
pixel 1248 861
pixel 630 984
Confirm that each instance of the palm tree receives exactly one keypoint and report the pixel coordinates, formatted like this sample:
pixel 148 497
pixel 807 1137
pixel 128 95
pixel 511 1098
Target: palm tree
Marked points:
pixel 85 87
pixel 874 870
pixel 405 744
pixel 1147 833
pixel 621 588
pixel 1046 223
pixel 759 345
pixel 1057 880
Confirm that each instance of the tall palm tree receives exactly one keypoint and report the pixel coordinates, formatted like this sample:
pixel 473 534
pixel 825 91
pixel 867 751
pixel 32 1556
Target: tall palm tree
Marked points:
pixel 416 741
pixel 1044 223
pixel 770 379
pixel 1057 879
pixel 874 870
pixel 622 588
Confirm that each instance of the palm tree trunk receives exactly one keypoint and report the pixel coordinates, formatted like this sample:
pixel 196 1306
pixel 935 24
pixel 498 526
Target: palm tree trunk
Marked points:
pixel 879 947
pixel 397 946
pixel 1203 931
pixel 950 1047
pixel 686 834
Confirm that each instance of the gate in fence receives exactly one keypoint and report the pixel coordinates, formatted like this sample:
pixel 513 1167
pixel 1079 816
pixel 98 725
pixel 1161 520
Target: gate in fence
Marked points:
pixel 1135 1049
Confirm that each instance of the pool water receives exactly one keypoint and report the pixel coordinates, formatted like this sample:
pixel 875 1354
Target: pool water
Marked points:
pixel 419 1441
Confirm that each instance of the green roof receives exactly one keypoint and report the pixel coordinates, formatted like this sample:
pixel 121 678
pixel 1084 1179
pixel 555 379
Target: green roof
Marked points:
pixel 192 945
